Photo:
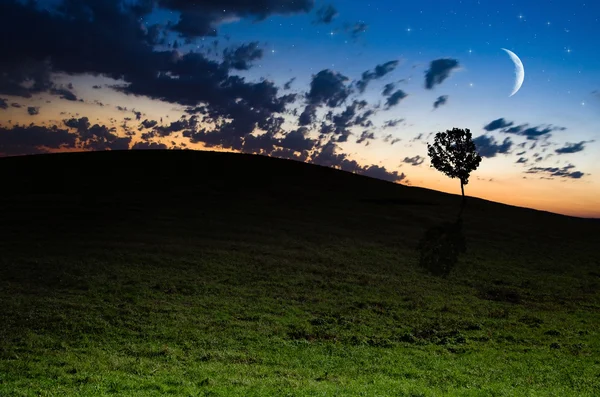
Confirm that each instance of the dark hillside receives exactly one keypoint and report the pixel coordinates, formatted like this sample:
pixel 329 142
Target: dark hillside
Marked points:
pixel 206 273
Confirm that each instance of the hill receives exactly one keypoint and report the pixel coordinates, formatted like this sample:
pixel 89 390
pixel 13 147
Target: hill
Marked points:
pixel 206 273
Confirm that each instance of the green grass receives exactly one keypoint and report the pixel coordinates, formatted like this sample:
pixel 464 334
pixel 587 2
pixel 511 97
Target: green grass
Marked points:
pixel 207 274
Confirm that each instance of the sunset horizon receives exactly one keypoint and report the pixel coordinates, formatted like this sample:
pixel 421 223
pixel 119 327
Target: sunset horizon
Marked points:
pixel 349 86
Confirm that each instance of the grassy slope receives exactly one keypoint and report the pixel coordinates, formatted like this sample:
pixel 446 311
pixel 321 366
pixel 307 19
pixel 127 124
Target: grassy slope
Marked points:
pixel 145 273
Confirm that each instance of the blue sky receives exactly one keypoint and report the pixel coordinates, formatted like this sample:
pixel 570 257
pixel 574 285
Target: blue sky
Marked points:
pixel 555 171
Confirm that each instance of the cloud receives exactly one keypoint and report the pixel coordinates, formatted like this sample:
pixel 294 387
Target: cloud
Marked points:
pixel 522 160
pixel 563 172
pixel 169 75
pixel 96 87
pixel 379 72
pixel 326 14
pixel 441 100
pixel 20 140
pixel 378 172
pixel 149 146
pixel 33 110
pixel 356 29
pixel 531 133
pixel 288 84
pixel 328 88
pixel 298 141
pixel 390 138
pixel 3 104
pixel 395 98
pixel 365 136
pixel 200 18
pixel 340 123
pixel 149 123
pixel 388 89
pixel 534 133
pixel 498 124
pixel 308 115
pixel 439 70
pixel 241 57
pixel 290 154
pixel 414 161
pixel 572 148
pixel 328 157
pixel 488 147
pixel 392 123
pixel 64 93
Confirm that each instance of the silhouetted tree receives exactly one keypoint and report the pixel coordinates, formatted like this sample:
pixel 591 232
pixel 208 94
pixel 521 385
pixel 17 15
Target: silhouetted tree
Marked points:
pixel 453 153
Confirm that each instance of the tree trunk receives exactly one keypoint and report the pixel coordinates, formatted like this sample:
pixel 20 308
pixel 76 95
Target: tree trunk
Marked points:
pixel 462 204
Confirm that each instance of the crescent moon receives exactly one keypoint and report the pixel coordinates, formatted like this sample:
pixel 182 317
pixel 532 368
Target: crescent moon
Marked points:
pixel 519 71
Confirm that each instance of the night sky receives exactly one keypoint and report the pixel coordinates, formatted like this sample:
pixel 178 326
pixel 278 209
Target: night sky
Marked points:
pixel 356 85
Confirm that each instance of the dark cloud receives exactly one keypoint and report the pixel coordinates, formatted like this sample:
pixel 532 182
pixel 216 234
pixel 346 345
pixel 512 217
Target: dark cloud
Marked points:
pixel 325 14
pixel 392 123
pixel 390 138
pixel 200 18
pixel 366 136
pixel 298 141
pixel 379 72
pixel 241 57
pixel 488 147
pixel 533 133
pixel 356 29
pixel 340 123
pixel 3 104
pixel 64 93
pixel 328 88
pixel 308 115
pixel 388 89
pixel 121 108
pixel 572 148
pixel 20 140
pixel 439 70
pixel 149 123
pixel 328 157
pixel 288 84
pixel 417 138
pixel 522 160
pixel 16 105
pixel 414 161
pixel 395 98
pixel 375 171
pixel 521 153
pixel 290 154
pixel 498 124
pixel 188 79
pixel 33 110
pixel 96 87
pixel 516 129
pixel 441 100
pixel 97 137
pixel 149 146
pixel 563 172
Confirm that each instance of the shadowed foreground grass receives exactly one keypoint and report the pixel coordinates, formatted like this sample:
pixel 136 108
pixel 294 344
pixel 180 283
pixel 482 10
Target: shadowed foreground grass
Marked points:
pixel 213 274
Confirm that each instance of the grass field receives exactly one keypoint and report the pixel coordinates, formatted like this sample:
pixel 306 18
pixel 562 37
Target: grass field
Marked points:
pixel 216 274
